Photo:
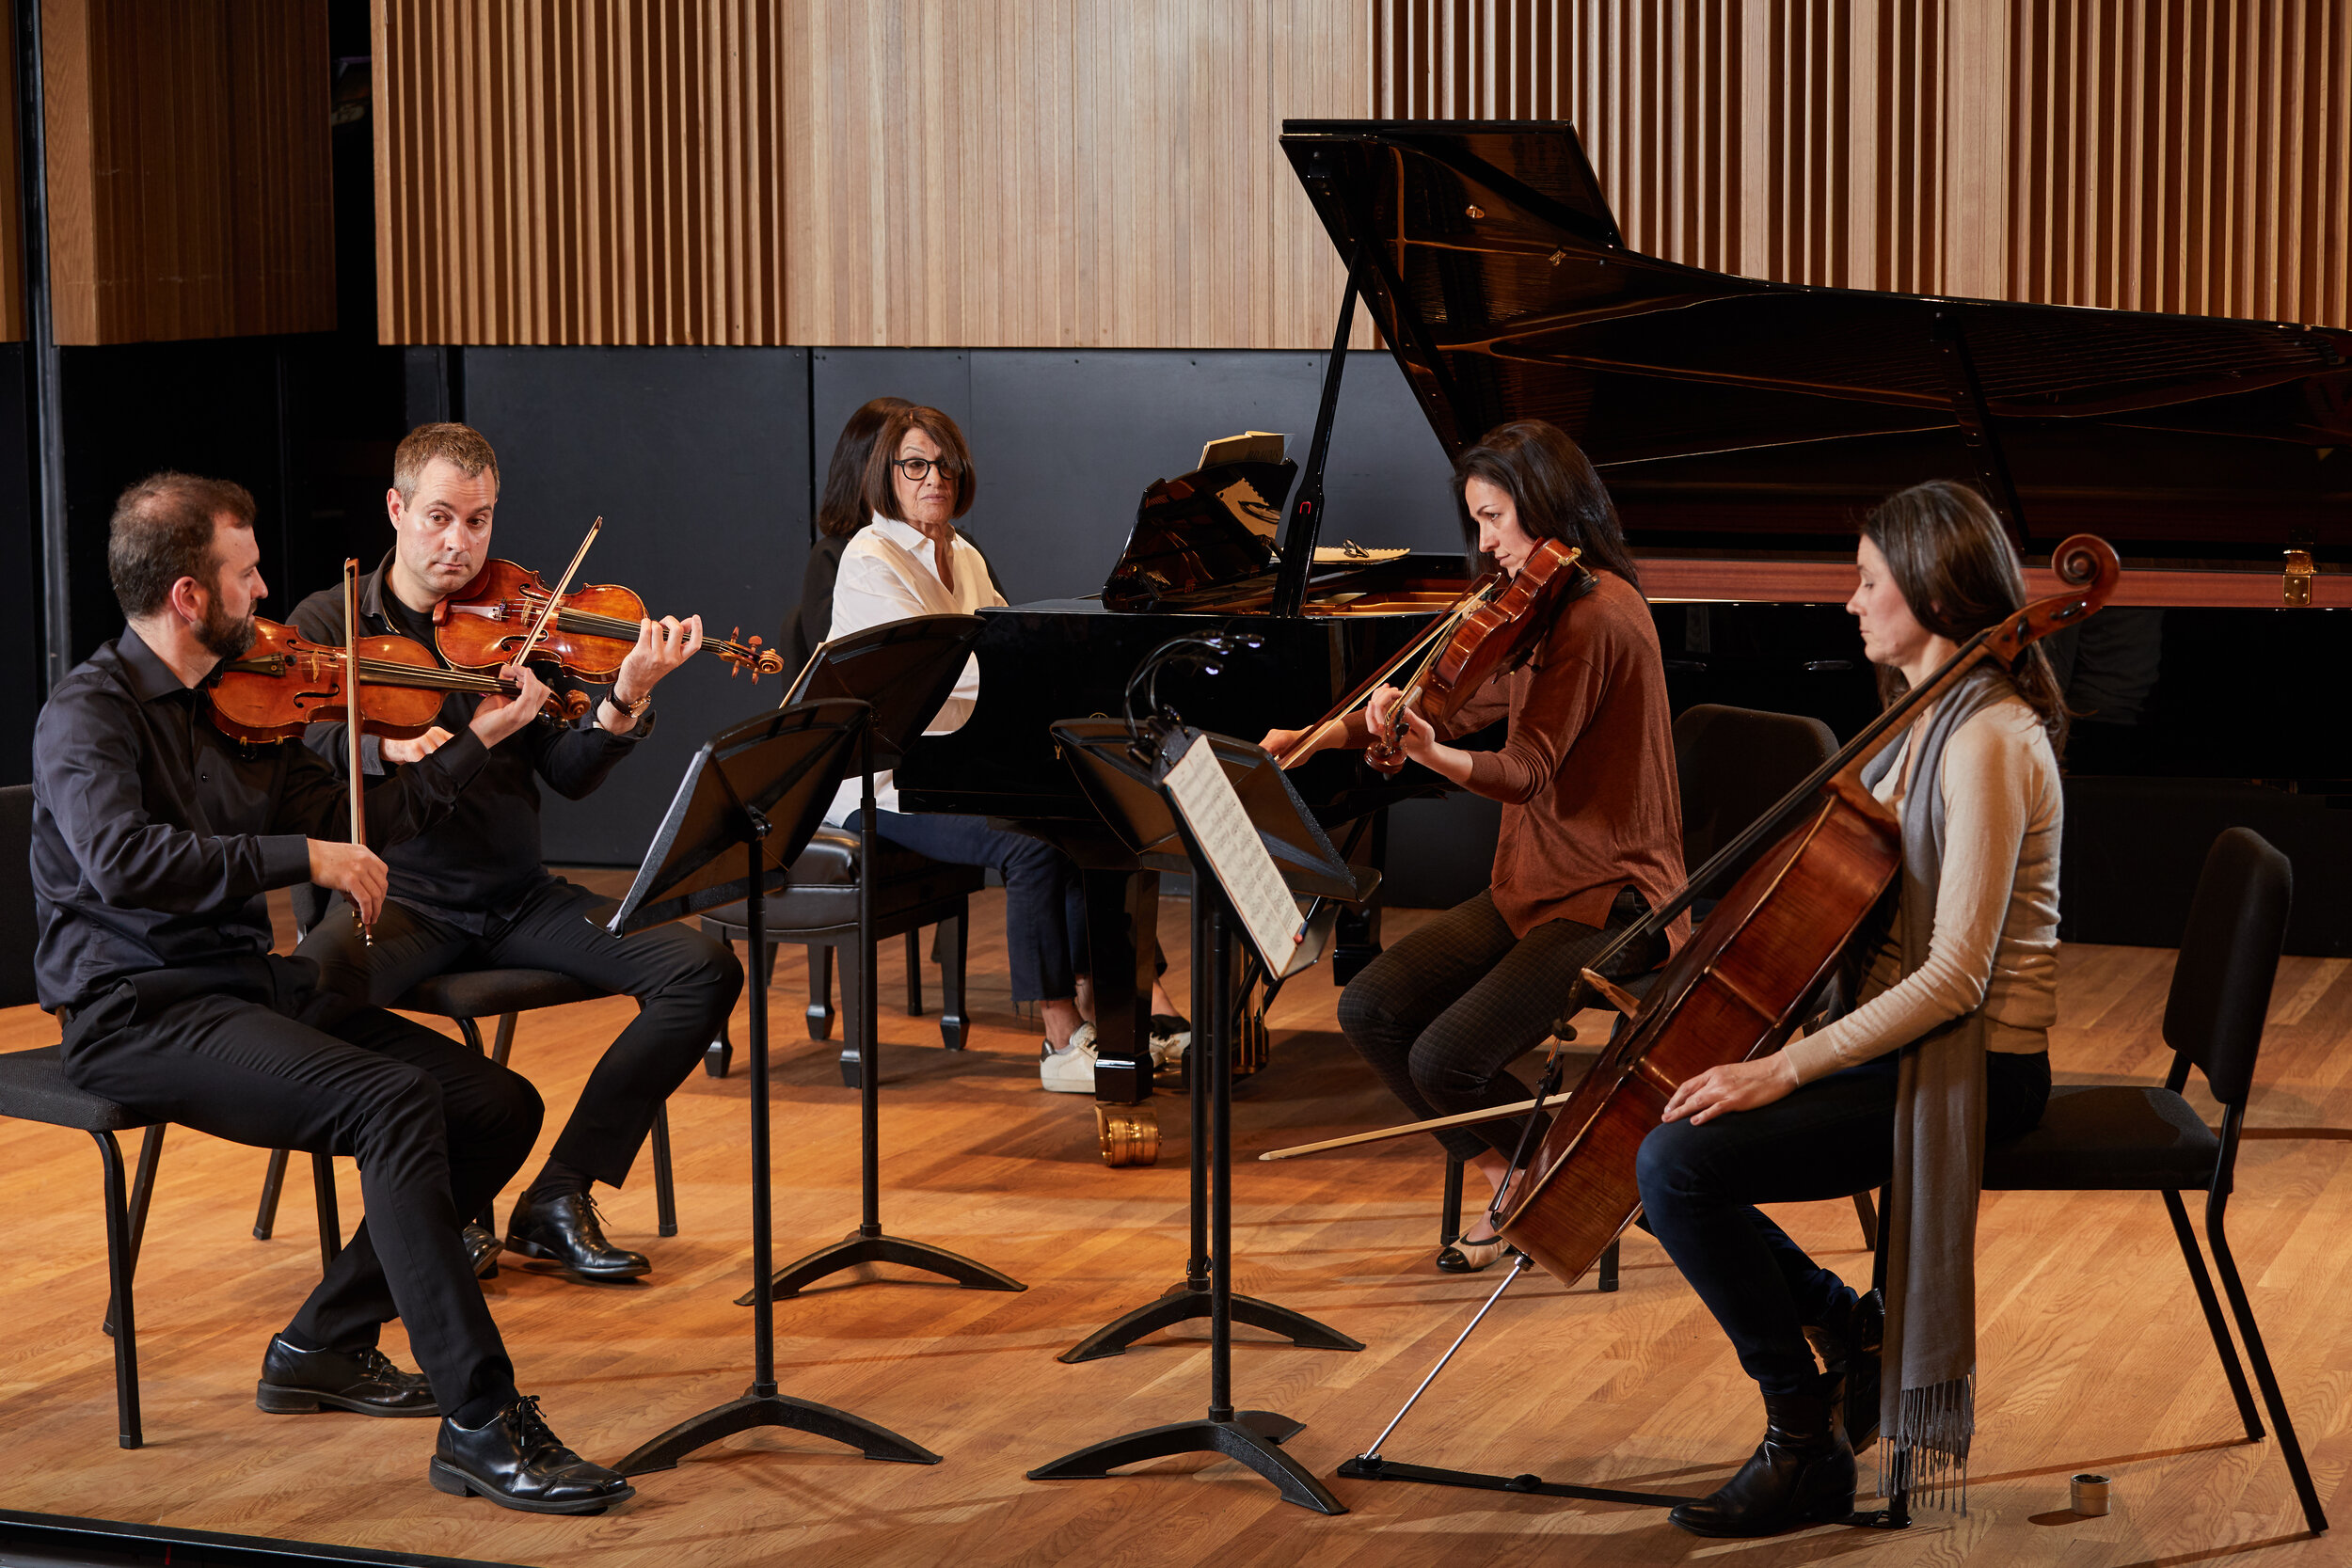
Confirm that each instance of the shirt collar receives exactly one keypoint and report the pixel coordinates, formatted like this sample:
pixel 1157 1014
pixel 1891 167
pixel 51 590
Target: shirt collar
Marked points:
pixel 905 535
pixel 143 669
pixel 371 590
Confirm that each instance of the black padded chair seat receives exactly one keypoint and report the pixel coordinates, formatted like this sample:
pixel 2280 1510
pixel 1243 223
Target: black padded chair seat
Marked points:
pixel 489 992
pixel 823 895
pixel 34 1087
pixel 2103 1137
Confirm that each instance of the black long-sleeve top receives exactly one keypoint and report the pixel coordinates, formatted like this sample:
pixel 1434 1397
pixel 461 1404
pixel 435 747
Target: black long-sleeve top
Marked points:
pixel 483 859
pixel 155 835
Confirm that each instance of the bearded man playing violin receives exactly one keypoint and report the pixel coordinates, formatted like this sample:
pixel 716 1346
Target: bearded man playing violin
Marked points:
pixel 471 891
pixel 155 837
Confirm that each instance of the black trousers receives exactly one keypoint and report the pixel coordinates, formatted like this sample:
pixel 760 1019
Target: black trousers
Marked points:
pixel 437 1131
pixel 1832 1139
pixel 684 983
pixel 1440 1014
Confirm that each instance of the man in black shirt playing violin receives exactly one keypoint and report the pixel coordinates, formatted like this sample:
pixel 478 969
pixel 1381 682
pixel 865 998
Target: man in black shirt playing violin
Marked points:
pixel 155 838
pixel 471 891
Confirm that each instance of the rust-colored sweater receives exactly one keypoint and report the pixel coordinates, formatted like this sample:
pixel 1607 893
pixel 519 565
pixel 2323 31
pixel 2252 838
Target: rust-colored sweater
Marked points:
pixel 1587 776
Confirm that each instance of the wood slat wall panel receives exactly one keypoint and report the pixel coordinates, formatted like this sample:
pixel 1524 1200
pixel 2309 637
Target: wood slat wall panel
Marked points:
pixel 2188 155
pixel 188 172
pixel 605 171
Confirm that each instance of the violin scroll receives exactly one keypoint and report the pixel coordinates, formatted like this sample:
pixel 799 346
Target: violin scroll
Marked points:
pixel 742 653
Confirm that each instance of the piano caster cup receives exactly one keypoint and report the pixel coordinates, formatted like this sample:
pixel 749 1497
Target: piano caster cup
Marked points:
pixel 1130 1134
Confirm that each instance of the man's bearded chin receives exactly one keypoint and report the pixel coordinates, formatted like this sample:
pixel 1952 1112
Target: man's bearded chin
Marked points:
pixel 224 638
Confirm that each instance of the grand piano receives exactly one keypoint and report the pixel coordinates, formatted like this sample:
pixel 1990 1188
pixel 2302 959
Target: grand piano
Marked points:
pixel 1743 427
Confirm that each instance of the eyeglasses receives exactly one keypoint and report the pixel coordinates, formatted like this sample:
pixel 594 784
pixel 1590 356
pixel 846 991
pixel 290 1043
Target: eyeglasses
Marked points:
pixel 917 469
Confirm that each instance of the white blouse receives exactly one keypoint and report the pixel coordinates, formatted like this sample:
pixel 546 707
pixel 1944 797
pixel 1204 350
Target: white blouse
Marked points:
pixel 888 572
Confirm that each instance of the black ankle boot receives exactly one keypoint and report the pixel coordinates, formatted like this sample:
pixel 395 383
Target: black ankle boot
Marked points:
pixel 1849 1350
pixel 1801 1474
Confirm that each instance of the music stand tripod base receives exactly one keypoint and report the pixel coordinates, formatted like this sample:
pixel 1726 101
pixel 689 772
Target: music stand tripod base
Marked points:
pixel 1189 1301
pixel 772 1410
pixel 1252 1436
pixel 857 1247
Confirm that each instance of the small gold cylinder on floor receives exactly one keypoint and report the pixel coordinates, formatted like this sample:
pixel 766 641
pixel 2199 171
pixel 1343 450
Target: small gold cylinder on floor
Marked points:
pixel 2090 1495
pixel 1130 1134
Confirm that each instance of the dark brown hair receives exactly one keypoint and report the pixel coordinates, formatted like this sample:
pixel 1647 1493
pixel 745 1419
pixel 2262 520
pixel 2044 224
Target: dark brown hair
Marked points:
pixel 882 496
pixel 461 443
pixel 1959 573
pixel 163 530
pixel 1553 489
pixel 842 510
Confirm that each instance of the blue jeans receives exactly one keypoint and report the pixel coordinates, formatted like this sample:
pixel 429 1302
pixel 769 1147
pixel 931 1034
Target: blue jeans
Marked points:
pixel 1832 1139
pixel 1045 920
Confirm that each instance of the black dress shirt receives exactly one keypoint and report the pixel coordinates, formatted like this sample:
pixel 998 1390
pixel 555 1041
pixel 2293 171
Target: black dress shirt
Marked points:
pixel 155 835
pixel 482 861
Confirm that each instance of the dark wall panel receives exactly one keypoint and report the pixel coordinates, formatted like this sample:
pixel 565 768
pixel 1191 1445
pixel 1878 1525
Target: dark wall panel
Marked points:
pixel 697 460
pixel 20 677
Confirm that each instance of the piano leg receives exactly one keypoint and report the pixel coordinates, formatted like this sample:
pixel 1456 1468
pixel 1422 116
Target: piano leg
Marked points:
pixel 1356 940
pixel 1122 915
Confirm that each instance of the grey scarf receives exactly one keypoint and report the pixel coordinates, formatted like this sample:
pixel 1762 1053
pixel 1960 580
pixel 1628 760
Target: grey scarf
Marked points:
pixel 1926 1410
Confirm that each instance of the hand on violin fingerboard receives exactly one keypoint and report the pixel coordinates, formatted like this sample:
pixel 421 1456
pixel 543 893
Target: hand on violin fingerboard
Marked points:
pixel 497 715
pixel 662 646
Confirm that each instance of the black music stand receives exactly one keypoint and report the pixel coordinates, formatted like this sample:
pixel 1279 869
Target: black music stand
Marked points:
pixel 1126 779
pixel 903 670
pixel 763 785
pixel 1122 789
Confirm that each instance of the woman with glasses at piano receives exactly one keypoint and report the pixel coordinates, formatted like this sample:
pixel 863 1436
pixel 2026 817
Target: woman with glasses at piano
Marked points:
pixel 912 559
pixel 1592 816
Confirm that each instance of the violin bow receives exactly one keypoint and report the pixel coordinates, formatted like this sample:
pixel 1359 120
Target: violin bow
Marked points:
pixel 352 739
pixel 562 583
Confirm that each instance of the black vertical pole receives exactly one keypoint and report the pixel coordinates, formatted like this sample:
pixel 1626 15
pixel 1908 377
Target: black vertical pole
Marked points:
pixel 1219 1017
pixel 869 1004
pixel 763 1294
pixel 1197 1075
pixel 57 602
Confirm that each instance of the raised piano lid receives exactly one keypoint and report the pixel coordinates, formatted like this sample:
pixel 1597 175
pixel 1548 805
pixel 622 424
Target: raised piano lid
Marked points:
pixel 1739 418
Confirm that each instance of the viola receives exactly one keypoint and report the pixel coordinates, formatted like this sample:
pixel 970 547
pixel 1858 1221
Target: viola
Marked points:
pixel 285 683
pixel 1495 626
pixel 1747 977
pixel 485 624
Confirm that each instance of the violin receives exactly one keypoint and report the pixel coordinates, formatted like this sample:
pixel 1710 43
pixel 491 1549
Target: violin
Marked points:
pixel 487 623
pixel 285 683
pixel 1495 626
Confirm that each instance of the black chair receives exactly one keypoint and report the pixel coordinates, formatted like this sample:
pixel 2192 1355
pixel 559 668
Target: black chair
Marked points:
pixel 1732 766
pixel 818 909
pixel 465 997
pixel 2123 1138
pixel 34 1087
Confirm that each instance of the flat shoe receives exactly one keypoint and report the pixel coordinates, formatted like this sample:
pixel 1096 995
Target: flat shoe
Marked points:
pixel 1461 1256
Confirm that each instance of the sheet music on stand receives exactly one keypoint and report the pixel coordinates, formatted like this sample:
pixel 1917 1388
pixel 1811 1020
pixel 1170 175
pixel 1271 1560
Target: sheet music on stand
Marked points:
pixel 1198 786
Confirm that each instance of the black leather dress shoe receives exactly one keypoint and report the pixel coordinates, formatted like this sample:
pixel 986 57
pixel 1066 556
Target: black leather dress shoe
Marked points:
pixel 1802 1474
pixel 516 1461
pixel 565 1230
pixel 482 1250
pixel 299 1381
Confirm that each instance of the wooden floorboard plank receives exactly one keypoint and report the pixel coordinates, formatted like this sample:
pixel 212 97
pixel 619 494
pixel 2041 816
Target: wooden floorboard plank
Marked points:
pixel 2095 1354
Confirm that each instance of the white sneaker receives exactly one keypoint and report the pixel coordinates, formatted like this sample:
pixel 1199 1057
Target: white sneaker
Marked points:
pixel 1070 1070
pixel 1170 1034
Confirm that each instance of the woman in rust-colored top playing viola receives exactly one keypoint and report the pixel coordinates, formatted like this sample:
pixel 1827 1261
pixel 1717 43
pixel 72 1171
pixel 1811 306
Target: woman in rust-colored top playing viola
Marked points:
pixel 1592 823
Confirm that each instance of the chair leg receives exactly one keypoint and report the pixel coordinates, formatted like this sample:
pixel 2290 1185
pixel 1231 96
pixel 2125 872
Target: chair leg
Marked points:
pixel 820 991
pixel 2242 1307
pixel 951 941
pixel 1450 1217
pixel 852 993
pixel 330 1214
pixel 472 1033
pixel 1869 1215
pixel 273 1181
pixel 135 1213
pixel 504 1044
pixel 1609 1267
pixel 2223 1346
pixel 119 1272
pixel 914 973
pixel 664 1189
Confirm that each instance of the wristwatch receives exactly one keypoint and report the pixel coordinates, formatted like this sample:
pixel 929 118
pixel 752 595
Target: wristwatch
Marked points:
pixel 636 709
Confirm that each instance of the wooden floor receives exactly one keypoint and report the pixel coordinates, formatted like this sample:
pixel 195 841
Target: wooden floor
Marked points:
pixel 2094 1356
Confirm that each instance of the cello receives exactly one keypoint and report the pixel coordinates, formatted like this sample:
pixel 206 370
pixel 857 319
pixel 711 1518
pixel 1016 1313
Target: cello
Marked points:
pixel 1749 974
